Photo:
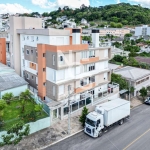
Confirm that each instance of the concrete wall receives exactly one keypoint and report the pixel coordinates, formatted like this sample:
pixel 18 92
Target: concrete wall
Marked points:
pixel 16 91
pixel 34 126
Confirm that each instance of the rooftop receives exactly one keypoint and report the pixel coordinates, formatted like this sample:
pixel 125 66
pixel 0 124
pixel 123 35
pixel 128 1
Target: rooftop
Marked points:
pixel 143 59
pixel 132 72
pixel 49 31
pixel 9 79
pixel 113 66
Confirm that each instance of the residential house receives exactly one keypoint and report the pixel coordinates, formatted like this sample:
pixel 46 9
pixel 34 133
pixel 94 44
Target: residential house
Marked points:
pixel 136 77
pixel 10 81
pixel 84 21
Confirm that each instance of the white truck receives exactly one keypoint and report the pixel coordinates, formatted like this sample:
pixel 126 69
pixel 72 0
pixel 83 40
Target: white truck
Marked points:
pixel 105 115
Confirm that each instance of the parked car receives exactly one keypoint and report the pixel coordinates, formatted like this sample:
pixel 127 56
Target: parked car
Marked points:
pixel 147 101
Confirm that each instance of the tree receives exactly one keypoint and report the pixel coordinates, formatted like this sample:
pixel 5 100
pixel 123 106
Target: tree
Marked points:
pixel 143 92
pixel 38 108
pixel 2 106
pixel 15 134
pixel 83 116
pixel 8 97
pixel 120 80
pixel 113 25
pixel 119 25
pixel 92 24
pixel 25 95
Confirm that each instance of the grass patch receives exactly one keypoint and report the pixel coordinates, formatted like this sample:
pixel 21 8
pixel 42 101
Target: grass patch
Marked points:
pixel 13 111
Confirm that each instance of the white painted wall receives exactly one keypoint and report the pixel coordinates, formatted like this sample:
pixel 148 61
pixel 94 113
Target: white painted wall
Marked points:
pixel 95 39
pixel 138 31
pixel 76 38
pixel 16 91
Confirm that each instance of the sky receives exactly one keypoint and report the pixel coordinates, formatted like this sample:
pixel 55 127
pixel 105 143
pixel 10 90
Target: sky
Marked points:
pixel 27 6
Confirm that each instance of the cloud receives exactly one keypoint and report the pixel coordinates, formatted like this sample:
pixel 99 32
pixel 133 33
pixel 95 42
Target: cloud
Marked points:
pixel 144 3
pixel 13 8
pixel 117 1
pixel 60 3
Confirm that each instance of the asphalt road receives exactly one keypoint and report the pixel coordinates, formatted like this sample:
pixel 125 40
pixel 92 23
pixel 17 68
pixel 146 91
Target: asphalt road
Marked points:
pixel 134 134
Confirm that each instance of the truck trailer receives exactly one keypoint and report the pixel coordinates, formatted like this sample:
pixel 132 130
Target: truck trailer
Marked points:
pixel 105 115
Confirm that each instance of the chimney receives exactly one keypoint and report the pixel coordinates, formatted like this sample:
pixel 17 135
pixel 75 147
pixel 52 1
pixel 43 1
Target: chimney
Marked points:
pixel 95 37
pixel 76 36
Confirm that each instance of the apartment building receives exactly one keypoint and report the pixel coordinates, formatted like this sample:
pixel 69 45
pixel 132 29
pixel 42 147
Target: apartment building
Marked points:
pixel 142 31
pixel 14 47
pixel 120 32
pixel 4 48
pixel 54 62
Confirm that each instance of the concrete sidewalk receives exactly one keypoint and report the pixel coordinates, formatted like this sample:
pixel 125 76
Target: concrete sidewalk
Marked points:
pixel 47 136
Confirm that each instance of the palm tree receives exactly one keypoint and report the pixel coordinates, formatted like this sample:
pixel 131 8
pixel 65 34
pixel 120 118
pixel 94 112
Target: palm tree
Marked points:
pixel 25 97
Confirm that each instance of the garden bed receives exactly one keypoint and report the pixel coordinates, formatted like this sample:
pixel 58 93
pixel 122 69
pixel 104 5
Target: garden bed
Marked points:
pixel 13 113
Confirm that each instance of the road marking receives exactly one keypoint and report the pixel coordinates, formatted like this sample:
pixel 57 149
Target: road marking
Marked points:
pixel 136 139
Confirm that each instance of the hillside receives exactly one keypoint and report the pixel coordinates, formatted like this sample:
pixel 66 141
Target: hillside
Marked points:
pixel 124 13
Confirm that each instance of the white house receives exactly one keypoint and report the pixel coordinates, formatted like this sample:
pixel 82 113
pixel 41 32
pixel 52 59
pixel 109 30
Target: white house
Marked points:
pixel 83 21
pixel 68 24
pixel 136 76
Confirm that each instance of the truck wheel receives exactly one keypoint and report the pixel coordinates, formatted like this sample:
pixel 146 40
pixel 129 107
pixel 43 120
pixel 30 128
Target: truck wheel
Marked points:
pixel 121 122
pixel 105 129
pixel 100 133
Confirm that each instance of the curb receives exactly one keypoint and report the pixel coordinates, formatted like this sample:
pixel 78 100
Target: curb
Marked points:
pixel 60 140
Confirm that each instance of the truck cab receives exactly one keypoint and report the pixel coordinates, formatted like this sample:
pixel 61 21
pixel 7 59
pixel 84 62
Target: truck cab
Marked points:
pixel 93 124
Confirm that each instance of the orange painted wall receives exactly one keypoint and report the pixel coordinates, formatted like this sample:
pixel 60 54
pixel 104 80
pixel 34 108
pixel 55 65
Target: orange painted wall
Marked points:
pixel 89 60
pixel 67 48
pixel 84 88
pixel 41 48
pixel 3 50
pixel 32 66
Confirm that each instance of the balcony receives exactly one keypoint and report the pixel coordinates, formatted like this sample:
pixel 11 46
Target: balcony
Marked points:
pixel 89 60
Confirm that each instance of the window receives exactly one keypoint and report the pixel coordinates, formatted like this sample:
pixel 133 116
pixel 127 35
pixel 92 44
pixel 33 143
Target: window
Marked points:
pixel 31 51
pixel 44 84
pixel 74 106
pixel 91 53
pixel 27 52
pixel 27 37
pixel 53 90
pixel 91 67
pixel 37 38
pixel 32 77
pixel 53 59
pixel 61 89
pixel 43 54
pixel 91 79
pixel 44 69
pixel 27 76
pixel 61 58
pixel 22 50
pixel 32 38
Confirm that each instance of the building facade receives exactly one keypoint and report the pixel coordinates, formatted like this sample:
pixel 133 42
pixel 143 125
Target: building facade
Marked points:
pixel 54 63
pixel 119 32
pixel 142 31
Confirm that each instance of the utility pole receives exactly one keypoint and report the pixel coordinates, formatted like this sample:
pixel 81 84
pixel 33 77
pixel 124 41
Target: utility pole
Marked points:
pixel 129 89
pixel 69 113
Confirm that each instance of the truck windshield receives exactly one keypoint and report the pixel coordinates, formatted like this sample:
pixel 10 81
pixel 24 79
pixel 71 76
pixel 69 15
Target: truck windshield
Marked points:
pixel 90 122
